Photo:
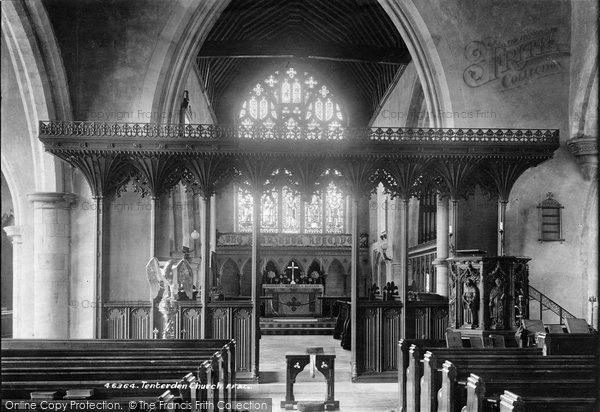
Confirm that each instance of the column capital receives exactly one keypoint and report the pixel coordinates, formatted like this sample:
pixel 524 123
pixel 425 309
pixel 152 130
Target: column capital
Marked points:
pixel 585 150
pixel 52 200
pixel 15 233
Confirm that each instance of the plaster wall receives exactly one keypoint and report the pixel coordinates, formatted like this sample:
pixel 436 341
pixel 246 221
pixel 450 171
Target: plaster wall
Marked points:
pixel 117 53
pixel 82 287
pixel 225 210
pixel 129 247
pixel 531 91
pixel 106 48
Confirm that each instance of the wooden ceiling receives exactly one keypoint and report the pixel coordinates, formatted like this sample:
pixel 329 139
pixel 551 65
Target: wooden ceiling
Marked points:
pixel 351 45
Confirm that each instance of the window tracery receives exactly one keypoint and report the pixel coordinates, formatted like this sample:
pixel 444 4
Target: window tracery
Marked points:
pixel 282 211
pixel 291 100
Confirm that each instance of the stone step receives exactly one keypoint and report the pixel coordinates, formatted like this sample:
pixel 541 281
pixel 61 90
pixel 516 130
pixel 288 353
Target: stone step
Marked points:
pixel 297 326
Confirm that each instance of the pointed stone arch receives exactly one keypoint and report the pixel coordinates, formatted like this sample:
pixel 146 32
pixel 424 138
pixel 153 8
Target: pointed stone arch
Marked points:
pixel 425 54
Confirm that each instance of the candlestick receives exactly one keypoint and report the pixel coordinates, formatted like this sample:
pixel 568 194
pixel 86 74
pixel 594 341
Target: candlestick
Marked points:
pixel 450 229
pixel 501 226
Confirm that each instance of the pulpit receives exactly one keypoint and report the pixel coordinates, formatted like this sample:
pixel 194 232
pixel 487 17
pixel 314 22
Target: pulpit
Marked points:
pixel 293 300
pixel 487 295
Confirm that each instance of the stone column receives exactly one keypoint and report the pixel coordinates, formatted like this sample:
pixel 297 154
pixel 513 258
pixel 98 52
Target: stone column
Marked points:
pixel 22 299
pixel 255 282
pixel 501 222
pixel 402 257
pixel 51 257
pixel 354 287
pixel 153 207
pixel 205 274
pixel 453 227
pixel 441 266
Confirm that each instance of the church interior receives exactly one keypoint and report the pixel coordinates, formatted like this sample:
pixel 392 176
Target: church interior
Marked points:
pixel 354 205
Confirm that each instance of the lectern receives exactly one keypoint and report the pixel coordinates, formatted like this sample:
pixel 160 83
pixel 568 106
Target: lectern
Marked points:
pixel 487 295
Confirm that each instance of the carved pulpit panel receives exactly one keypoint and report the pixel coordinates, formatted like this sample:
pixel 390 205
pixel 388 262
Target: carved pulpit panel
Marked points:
pixel 488 293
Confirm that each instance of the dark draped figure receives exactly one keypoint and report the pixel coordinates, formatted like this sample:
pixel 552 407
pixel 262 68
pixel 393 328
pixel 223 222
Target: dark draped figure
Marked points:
pixel 470 299
pixel 498 302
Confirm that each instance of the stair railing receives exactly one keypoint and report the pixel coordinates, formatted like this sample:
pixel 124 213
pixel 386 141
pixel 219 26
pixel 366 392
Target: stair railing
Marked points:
pixel 548 304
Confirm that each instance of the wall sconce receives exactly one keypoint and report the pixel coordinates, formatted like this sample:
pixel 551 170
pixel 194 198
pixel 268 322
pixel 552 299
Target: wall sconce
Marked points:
pixel 384 245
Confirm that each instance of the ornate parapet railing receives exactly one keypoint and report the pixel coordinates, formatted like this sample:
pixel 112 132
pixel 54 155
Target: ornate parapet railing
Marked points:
pixel 290 240
pixel 202 138
pixel 136 320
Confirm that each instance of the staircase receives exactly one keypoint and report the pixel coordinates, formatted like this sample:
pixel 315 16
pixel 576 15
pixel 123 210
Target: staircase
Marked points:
pixel 297 326
pixel 545 305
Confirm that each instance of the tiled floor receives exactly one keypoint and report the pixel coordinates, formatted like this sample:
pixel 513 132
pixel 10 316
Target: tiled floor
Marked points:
pixel 353 397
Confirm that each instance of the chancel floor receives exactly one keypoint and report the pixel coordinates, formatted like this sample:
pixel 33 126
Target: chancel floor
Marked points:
pixel 353 397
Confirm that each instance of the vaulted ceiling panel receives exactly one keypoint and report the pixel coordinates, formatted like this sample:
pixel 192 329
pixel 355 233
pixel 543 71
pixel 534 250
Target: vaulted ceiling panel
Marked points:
pixel 350 44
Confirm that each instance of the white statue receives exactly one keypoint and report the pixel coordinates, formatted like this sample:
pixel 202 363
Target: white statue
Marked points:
pixel 172 276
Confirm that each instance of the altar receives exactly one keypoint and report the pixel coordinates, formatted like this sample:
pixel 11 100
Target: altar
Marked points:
pixel 293 299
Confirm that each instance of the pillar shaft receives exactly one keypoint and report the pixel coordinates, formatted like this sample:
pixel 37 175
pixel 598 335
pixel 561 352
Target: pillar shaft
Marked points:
pixel 99 267
pixel 453 227
pixel 255 283
pixel 153 226
pixel 205 283
pixel 51 261
pixel 354 287
pixel 22 322
pixel 402 258
pixel 501 225
pixel 441 266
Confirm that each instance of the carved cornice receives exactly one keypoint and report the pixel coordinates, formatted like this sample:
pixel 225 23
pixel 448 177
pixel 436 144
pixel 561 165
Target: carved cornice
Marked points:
pixel 289 240
pixel 585 150
pixel 369 142
pixel 207 157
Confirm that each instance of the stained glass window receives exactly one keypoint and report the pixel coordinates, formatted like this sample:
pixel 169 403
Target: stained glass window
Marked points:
pixel 269 213
pixel 244 210
pixel 282 211
pixel 314 215
pixel 289 100
pixel 290 211
pixel 334 210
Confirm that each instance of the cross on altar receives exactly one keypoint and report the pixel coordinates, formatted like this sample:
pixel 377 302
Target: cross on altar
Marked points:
pixel 293 267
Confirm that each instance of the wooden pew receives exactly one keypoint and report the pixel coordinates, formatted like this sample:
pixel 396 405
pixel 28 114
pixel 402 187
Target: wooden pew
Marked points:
pixel 504 372
pixel 30 365
pixel 567 343
pixel 403 362
pixel 410 383
pixel 511 402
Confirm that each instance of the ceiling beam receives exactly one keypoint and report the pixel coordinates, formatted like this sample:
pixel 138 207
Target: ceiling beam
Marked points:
pixel 289 49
